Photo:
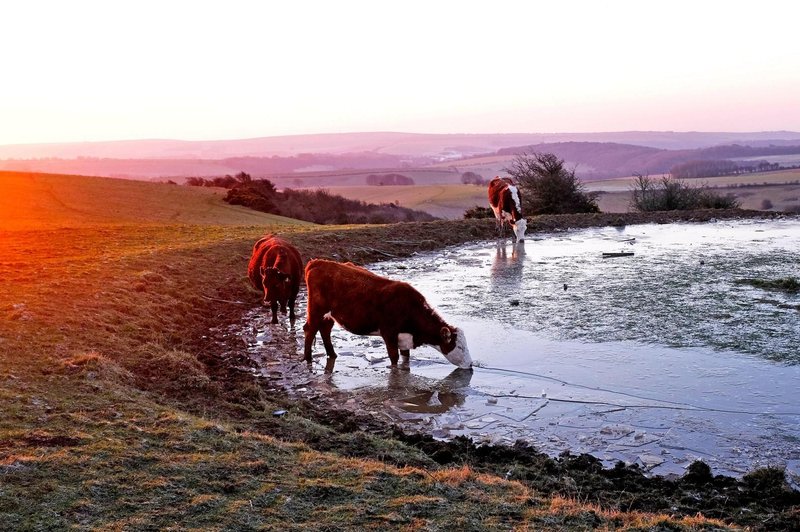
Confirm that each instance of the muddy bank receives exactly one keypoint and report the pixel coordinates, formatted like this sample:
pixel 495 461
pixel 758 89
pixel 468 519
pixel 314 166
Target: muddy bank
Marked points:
pixel 762 499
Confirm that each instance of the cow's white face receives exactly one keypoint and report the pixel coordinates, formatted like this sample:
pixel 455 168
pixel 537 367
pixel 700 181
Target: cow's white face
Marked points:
pixel 519 229
pixel 459 355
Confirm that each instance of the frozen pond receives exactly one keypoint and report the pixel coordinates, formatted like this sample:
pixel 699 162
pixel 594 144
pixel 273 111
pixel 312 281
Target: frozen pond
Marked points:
pixel 656 358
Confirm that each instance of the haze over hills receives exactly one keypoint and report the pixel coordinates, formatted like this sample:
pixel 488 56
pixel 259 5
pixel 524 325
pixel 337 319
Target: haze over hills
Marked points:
pixel 392 143
pixel 349 158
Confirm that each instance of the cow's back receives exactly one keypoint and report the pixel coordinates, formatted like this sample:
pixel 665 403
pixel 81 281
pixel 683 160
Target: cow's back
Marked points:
pixel 328 278
pixel 356 298
pixel 496 188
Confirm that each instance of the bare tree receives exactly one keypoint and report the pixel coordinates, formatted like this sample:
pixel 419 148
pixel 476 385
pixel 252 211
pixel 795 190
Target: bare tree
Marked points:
pixel 547 187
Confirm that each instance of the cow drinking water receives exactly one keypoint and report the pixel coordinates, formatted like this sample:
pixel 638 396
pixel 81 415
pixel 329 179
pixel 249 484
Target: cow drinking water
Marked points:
pixel 504 198
pixel 367 304
pixel 276 268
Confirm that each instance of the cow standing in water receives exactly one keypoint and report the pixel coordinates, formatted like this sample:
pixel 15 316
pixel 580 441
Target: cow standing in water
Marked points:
pixel 276 268
pixel 506 204
pixel 367 304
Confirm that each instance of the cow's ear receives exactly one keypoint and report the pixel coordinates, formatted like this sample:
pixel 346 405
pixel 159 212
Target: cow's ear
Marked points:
pixel 446 335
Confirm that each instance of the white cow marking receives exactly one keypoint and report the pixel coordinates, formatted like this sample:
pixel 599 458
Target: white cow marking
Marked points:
pixel 405 341
pixel 515 197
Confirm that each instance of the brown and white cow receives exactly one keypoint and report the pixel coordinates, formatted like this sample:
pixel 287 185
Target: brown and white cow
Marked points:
pixel 367 304
pixel 504 198
pixel 276 268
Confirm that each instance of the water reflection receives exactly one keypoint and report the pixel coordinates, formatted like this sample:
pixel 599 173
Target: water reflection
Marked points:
pixel 420 395
pixel 507 268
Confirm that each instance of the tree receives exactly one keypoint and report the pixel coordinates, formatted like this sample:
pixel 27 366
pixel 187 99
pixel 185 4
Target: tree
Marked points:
pixel 547 187
pixel 243 178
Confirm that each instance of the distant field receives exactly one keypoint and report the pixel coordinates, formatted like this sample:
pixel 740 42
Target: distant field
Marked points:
pixel 487 167
pixel 792 159
pixel 776 188
pixel 450 201
pixel 771 178
pixel 46 201
pixel 356 178
pixel 443 201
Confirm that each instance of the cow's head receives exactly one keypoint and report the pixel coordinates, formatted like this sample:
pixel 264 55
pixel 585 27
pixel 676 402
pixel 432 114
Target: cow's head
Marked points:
pixel 277 285
pixel 454 347
pixel 520 226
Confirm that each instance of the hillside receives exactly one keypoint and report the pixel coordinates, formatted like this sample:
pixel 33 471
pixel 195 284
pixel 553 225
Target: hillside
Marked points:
pixel 42 201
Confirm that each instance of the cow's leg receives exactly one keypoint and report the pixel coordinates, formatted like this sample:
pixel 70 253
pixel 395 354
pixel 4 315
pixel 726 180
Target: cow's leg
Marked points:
pixel 274 305
pixel 405 356
pixel 390 339
pixel 405 342
pixel 292 301
pixel 325 332
pixel 310 329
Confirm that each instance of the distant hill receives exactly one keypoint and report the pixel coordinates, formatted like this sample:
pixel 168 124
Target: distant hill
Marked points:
pixel 442 146
pixel 347 159
pixel 596 160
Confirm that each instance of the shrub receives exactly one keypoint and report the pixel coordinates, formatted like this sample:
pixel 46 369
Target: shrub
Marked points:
pixel 675 195
pixel 472 178
pixel 547 187
pixel 766 204
pixel 318 206
pixel 478 212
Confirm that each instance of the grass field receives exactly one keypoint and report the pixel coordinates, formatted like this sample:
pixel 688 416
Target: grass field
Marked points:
pixel 117 413
pixel 39 201
pixel 442 201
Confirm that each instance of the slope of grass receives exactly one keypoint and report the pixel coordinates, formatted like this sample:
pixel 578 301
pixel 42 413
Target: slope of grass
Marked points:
pixel 31 201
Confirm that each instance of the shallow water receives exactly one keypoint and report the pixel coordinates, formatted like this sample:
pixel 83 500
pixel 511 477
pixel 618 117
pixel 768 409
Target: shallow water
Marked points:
pixel 658 358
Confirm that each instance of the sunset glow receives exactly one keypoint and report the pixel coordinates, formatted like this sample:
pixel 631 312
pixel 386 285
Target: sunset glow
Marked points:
pixel 93 70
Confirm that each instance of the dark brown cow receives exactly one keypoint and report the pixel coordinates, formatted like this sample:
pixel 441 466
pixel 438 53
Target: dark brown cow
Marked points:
pixel 276 268
pixel 367 304
pixel 506 204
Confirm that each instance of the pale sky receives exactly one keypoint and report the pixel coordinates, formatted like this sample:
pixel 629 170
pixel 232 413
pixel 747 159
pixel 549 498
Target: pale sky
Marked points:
pixel 83 70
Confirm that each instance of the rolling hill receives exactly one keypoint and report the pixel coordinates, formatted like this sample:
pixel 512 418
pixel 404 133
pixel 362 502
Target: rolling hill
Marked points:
pixel 45 201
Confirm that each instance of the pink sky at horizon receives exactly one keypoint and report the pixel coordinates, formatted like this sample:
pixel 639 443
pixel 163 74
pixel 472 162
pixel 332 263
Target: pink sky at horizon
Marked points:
pixel 89 70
